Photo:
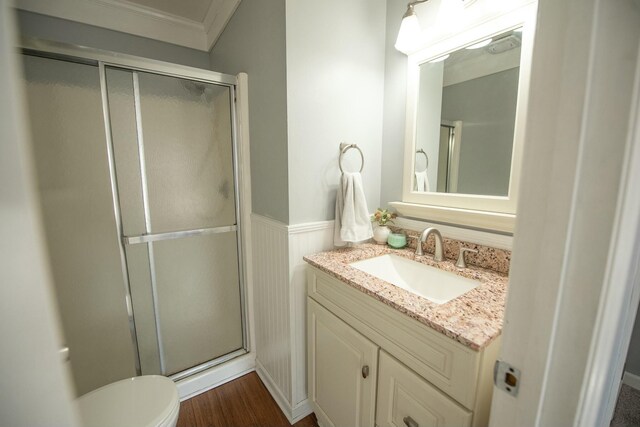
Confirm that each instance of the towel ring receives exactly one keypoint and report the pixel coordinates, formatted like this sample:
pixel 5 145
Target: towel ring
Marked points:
pixel 425 156
pixel 344 147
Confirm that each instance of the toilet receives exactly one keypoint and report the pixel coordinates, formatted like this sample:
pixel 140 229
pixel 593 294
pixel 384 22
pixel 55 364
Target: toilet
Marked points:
pixel 146 401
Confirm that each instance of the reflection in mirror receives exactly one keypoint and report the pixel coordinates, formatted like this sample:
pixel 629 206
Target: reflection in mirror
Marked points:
pixel 466 118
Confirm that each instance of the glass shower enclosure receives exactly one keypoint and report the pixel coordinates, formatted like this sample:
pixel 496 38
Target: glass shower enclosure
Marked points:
pixel 137 174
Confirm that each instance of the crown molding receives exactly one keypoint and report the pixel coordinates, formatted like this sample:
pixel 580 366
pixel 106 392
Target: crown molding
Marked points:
pixel 218 15
pixel 126 17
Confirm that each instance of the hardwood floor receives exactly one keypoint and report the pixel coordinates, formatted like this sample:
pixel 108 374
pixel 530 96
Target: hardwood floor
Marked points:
pixel 242 402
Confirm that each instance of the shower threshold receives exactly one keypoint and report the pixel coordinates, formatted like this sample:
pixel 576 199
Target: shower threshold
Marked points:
pixel 207 365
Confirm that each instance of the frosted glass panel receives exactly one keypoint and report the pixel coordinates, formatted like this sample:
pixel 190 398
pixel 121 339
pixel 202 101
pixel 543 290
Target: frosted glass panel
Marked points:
pixel 122 113
pixel 186 129
pixel 73 178
pixel 183 130
pixel 142 301
pixel 199 299
pixel 185 290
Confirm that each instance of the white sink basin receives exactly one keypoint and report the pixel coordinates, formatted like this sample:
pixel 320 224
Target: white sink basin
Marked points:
pixel 436 285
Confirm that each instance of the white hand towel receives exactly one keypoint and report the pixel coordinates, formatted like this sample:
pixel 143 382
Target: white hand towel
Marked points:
pixel 352 217
pixel 422 182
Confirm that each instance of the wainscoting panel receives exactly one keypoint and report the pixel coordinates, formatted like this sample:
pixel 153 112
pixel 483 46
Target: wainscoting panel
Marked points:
pixel 280 307
pixel 272 302
pixel 304 239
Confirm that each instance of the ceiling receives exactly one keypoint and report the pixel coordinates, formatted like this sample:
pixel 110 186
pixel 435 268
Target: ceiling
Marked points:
pixel 196 24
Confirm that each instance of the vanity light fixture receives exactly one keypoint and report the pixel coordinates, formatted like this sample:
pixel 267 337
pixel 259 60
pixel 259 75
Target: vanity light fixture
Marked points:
pixel 409 28
pixel 478 45
pixel 439 59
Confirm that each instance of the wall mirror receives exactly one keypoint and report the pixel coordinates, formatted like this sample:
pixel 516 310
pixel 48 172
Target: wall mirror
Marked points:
pixel 466 104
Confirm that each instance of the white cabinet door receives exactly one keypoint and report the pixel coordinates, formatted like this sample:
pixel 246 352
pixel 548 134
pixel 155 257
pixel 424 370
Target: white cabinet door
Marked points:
pixel 342 371
pixel 407 400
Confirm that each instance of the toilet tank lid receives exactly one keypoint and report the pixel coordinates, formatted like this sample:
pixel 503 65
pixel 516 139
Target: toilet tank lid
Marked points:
pixel 140 401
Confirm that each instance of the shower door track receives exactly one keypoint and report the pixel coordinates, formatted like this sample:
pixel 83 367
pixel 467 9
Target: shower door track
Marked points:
pixel 91 56
pixel 102 59
pixel 207 365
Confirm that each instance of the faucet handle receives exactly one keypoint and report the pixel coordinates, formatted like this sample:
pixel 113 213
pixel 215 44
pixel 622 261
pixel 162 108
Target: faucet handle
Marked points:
pixel 461 262
pixel 418 244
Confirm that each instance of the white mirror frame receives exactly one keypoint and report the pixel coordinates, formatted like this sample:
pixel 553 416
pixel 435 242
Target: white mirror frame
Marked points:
pixel 477 211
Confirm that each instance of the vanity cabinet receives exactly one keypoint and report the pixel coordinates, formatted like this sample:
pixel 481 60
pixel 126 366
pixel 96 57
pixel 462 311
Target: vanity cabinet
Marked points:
pixel 369 364
pixel 345 366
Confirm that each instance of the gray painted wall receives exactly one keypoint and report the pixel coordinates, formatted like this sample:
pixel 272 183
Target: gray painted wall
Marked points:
pixel 61 30
pixel 254 42
pixel 311 86
pixel 335 87
pixel 395 100
pixel 487 108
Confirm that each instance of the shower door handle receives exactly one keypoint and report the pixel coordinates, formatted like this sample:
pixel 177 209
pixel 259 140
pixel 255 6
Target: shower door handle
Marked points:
pixel 156 237
pixel 64 354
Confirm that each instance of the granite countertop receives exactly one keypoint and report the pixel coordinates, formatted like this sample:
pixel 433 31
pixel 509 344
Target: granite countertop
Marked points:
pixel 474 319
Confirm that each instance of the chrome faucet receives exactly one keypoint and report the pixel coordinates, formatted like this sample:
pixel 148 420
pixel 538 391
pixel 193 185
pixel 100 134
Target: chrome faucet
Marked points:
pixel 437 255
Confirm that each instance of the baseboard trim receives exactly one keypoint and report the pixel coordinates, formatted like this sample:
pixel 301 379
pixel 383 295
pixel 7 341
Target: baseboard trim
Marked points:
pixel 216 376
pixel 275 392
pixel 631 380
pixel 301 410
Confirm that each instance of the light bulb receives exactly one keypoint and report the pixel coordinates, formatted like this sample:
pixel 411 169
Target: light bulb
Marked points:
pixel 409 33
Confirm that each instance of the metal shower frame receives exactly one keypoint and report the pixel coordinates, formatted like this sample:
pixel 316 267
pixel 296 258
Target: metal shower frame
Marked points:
pixel 103 59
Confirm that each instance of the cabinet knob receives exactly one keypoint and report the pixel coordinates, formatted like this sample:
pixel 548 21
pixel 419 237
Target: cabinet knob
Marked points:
pixel 410 422
pixel 365 371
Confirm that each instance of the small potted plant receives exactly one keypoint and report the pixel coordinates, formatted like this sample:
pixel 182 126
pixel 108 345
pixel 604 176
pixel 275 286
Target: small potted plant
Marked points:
pixel 381 217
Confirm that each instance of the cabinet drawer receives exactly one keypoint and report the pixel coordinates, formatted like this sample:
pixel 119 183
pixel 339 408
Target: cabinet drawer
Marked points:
pixel 447 364
pixel 407 400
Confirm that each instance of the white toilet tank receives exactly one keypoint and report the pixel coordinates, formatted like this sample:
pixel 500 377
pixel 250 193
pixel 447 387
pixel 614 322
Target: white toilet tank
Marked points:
pixel 146 401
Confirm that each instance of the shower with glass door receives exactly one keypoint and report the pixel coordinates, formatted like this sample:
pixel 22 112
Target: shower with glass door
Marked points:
pixel 138 180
